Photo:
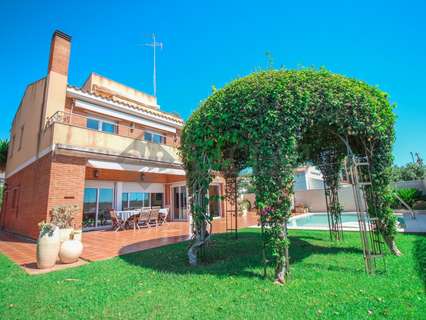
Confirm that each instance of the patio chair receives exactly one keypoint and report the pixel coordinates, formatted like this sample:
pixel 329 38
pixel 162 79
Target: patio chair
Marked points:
pixel 154 216
pixel 117 222
pixel 162 217
pixel 144 217
pixel 133 221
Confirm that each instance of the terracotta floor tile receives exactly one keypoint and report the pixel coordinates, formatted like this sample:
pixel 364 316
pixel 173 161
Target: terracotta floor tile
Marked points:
pixel 105 244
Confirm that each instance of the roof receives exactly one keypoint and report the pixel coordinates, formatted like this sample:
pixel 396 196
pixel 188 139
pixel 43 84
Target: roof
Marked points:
pixel 137 107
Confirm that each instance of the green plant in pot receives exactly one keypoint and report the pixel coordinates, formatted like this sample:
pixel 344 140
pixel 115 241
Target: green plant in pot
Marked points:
pixel 48 245
pixel 63 216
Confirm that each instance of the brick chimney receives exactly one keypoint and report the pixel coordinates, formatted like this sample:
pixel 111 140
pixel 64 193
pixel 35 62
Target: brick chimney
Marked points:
pixel 57 74
pixel 60 48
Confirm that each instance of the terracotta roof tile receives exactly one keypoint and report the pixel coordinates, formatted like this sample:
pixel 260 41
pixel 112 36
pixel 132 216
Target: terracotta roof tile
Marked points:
pixel 162 114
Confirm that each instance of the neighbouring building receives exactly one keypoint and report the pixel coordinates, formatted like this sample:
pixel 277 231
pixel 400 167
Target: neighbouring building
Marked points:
pixel 103 145
pixel 308 178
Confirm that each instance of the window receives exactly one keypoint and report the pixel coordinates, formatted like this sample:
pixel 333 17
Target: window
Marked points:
pixel 92 124
pixel 156 199
pixel 101 125
pixel 96 206
pixel 134 200
pixel 21 136
pixel 154 137
pixel 109 127
pixel 124 200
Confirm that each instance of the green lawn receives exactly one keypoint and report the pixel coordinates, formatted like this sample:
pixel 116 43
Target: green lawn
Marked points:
pixel 327 281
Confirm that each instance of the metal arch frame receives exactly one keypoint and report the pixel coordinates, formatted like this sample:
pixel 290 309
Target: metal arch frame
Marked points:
pixel 371 237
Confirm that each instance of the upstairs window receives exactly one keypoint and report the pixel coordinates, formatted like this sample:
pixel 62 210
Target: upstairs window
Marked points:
pixel 154 137
pixel 101 125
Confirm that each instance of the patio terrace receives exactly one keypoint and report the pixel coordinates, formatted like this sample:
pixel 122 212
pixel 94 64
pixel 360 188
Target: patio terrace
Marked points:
pixel 105 244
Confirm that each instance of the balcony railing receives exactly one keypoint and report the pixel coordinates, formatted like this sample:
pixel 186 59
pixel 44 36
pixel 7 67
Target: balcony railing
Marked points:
pixel 110 127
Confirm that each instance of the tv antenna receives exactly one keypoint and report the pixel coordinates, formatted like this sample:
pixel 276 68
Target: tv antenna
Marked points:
pixel 154 44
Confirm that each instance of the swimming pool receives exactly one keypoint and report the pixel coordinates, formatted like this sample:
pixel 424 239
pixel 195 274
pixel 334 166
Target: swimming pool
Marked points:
pixel 320 221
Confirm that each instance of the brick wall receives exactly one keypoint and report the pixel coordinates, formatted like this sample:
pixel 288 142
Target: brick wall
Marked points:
pixel 67 184
pixel 26 199
pixel 33 191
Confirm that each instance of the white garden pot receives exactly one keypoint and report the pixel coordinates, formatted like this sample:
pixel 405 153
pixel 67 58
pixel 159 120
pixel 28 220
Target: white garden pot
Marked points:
pixel 48 246
pixel 70 251
pixel 65 234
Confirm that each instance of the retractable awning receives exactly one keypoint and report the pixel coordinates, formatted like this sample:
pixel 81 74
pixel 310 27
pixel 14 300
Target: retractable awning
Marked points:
pixel 133 167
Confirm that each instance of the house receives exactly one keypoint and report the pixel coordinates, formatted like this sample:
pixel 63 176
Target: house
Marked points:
pixel 308 178
pixel 100 146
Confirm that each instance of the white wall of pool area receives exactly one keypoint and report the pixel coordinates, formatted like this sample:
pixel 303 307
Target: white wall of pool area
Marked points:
pixel 319 221
pixel 315 199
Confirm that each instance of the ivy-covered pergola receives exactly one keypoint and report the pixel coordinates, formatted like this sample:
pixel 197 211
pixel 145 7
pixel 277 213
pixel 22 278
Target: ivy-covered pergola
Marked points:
pixel 273 121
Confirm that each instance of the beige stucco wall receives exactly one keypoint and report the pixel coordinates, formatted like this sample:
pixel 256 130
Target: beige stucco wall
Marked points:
pixel 119 89
pixel 56 94
pixel 107 143
pixel 28 117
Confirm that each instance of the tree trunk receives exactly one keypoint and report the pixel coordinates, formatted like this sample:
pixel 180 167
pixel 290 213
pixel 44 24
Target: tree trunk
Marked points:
pixel 281 268
pixel 193 253
pixel 390 242
pixel 201 237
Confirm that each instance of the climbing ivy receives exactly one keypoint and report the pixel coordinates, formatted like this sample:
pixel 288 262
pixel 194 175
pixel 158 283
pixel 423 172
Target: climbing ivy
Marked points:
pixel 275 120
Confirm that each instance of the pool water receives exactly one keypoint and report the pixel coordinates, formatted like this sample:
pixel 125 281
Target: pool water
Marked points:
pixel 320 220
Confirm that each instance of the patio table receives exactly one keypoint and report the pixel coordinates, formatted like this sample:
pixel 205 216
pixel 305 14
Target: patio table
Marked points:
pixel 126 214
pixel 163 210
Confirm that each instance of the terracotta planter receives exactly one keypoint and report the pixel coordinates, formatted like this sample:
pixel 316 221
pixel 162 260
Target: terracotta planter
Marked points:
pixel 48 246
pixel 70 251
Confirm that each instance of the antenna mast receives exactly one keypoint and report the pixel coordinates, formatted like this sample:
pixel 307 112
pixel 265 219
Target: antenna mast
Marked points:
pixel 154 44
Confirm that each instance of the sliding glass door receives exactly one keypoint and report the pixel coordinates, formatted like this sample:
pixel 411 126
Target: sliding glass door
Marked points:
pixel 179 203
pixel 97 204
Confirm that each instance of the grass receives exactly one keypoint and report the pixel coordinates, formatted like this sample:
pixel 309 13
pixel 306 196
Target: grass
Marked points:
pixel 327 282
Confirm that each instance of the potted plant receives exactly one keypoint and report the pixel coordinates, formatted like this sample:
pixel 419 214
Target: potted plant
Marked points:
pixel 62 216
pixel 47 245
pixel 245 207
pixel 71 249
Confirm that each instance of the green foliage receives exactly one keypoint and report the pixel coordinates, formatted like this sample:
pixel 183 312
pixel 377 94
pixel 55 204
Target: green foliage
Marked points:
pixel 330 283
pixel 245 205
pixel 274 120
pixel 245 185
pixel 62 216
pixel 4 146
pixel 408 195
pixel 411 171
pixel 46 228
pixel 419 205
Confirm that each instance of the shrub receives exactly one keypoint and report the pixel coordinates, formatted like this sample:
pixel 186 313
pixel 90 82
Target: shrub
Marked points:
pixel 62 216
pixel 408 195
pixel 245 205
pixel 419 205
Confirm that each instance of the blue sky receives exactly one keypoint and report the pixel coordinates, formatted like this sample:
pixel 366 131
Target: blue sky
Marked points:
pixel 211 43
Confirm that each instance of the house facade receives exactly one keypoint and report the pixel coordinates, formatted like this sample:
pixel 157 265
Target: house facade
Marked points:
pixel 100 146
pixel 308 178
